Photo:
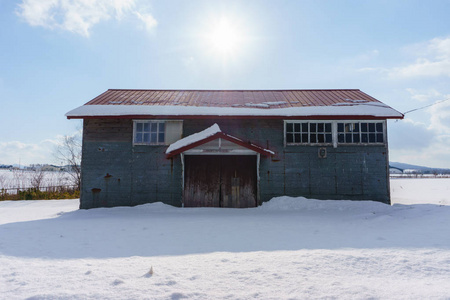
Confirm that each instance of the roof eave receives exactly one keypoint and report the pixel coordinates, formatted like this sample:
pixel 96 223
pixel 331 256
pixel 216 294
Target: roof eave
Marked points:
pixel 222 135
pixel 299 117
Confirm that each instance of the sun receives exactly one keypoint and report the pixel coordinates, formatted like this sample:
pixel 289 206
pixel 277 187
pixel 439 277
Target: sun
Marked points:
pixel 225 37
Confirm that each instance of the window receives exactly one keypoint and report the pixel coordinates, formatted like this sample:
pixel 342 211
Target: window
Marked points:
pixel 334 132
pixel 360 132
pixel 156 132
pixel 308 132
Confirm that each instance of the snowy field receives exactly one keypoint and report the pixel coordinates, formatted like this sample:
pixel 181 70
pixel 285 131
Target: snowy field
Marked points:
pixel 27 179
pixel 421 191
pixel 289 248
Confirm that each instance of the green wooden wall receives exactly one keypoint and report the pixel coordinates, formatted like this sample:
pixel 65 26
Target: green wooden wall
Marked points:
pixel 116 173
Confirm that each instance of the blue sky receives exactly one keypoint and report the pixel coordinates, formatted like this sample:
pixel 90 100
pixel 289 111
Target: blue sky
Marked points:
pixel 56 55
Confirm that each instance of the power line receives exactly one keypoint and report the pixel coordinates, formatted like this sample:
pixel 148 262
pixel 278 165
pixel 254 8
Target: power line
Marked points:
pixel 426 106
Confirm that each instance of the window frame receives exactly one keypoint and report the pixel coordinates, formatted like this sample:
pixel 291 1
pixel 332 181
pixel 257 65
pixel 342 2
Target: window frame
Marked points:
pixel 334 133
pixel 135 123
pixel 309 132
pixel 360 132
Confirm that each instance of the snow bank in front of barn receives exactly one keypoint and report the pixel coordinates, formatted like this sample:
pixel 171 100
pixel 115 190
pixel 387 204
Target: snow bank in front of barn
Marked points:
pixel 288 248
pixel 286 203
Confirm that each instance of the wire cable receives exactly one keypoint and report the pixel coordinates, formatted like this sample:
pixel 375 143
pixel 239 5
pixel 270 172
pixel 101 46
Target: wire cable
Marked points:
pixel 426 106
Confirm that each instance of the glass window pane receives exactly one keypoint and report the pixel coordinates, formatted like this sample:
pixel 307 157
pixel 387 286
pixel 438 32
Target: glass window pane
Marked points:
pixel 304 138
pixel 363 127
pixel 371 137
pixel 305 127
pixel 297 138
pixel 312 127
pixel 347 127
pixel 352 127
pixel 297 127
pixel 154 127
pixel 340 127
pixel 364 138
pixel 138 138
pixel 138 127
pixel 146 127
pixel 161 137
pixel 289 127
pixel 328 138
pixel 379 138
pixel 312 138
pixel 328 127
pixel 161 126
pixel 348 137
pixel 289 138
pixel 371 127
pixel 320 127
pixel 321 138
pixel 356 127
pixel 356 138
pixel 146 138
pixel 153 137
pixel 341 138
pixel 379 127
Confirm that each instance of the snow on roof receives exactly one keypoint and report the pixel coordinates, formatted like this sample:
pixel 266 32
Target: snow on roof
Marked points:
pixel 210 131
pixel 207 135
pixel 230 103
pixel 371 109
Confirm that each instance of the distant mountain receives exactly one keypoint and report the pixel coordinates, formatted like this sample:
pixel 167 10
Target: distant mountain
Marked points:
pixel 420 168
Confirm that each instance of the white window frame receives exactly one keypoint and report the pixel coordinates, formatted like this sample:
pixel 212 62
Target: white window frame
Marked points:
pixel 334 132
pixel 383 131
pixel 166 138
pixel 309 132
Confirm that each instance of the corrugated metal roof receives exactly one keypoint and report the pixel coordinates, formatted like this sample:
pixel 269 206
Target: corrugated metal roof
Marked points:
pixel 325 104
pixel 231 98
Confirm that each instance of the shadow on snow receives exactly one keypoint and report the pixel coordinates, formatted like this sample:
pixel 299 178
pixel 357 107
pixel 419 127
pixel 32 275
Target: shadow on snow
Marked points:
pixel 157 229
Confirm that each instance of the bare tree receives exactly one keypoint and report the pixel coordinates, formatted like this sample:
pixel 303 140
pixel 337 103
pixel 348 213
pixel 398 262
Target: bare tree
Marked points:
pixel 37 178
pixel 69 152
pixel 19 178
pixel 2 181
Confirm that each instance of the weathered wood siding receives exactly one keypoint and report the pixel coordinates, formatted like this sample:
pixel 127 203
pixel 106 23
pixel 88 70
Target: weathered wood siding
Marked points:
pixel 348 172
pixel 220 181
pixel 114 172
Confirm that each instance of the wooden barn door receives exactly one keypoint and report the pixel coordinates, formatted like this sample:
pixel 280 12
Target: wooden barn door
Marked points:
pixel 220 181
pixel 201 181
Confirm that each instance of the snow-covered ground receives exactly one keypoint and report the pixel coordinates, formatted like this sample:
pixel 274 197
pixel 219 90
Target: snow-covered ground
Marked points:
pixel 289 248
pixel 420 191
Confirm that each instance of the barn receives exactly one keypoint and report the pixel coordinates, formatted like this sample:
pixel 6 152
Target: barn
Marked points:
pixel 232 148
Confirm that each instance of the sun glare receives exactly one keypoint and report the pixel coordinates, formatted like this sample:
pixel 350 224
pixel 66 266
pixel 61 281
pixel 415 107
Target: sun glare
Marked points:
pixel 225 37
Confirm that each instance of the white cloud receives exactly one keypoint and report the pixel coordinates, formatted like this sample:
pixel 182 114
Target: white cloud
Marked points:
pixel 148 20
pixel 424 95
pixel 423 68
pixel 432 60
pixel 420 143
pixel 79 16
pixel 440 118
pixel 15 152
pixel 367 56
pixel 408 134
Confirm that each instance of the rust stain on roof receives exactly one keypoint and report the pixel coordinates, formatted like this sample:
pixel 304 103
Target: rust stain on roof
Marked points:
pixel 231 98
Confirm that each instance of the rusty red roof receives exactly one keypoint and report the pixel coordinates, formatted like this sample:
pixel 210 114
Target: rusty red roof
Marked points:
pixel 230 98
pixel 340 103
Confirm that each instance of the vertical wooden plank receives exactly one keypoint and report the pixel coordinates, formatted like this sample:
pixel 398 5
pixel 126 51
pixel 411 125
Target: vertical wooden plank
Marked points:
pixel 202 181
pixel 238 181
pixel 220 181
